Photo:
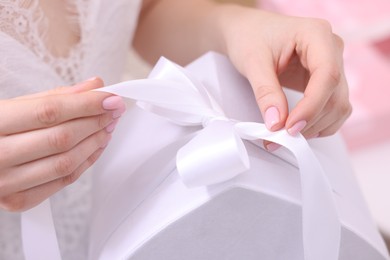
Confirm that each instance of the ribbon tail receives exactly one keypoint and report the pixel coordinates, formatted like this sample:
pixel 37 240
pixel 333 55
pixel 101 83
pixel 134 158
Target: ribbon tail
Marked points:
pixel 215 155
pixel 38 233
pixel 321 224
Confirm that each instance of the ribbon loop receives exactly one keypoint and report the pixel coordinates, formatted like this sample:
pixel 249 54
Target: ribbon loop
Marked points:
pixel 217 153
pixel 208 120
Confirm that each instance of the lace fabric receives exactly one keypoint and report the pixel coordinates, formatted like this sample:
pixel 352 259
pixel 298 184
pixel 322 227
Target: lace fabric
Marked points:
pixel 47 43
pixel 26 22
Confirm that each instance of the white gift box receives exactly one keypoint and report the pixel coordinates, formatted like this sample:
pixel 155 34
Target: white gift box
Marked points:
pixel 176 184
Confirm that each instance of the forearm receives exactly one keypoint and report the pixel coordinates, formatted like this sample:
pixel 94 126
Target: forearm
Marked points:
pixel 179 30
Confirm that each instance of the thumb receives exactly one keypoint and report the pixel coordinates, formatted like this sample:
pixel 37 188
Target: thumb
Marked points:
pixel 268 93
pixel 86 85
pixel 89 84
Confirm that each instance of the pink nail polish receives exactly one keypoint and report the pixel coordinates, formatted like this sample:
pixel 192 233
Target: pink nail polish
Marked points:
pixel 272 117
pixel 112 102
pixel 118 112
pixel 271 147
pixel 297 128
pixel 110 128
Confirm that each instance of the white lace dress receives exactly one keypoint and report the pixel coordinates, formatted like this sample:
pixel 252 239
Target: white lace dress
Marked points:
pixel 49 43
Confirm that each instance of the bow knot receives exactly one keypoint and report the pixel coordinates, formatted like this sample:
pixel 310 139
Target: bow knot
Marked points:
pixel 217 152
pixel 208 120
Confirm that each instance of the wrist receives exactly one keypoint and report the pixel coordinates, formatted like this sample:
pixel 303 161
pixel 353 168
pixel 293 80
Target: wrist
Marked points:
pixel 224 19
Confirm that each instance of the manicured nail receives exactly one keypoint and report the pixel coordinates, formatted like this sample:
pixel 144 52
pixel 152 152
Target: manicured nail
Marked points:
pixel 297 128
pixel 113 102
pixel 272 117
pixel 271 147
pixel 110 128
pixel 118 112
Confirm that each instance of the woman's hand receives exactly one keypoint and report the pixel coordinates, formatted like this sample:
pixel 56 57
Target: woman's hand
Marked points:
pixel 47 140
pixel 304 54
pixel 269 49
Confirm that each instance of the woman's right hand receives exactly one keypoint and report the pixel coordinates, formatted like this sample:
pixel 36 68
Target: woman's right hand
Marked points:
pixel 47 140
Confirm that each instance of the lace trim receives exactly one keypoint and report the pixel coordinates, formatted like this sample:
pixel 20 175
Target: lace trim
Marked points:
pixel 25 21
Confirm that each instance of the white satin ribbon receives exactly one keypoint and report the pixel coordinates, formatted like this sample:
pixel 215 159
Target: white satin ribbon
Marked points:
pixel 217 153
pixel 38 233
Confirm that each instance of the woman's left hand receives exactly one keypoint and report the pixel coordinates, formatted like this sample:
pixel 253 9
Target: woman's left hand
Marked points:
pixel 269 49
pixel 274 50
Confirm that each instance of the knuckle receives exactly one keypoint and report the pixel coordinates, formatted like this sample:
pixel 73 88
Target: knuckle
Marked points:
pixel 61 139
pixel 13 203
pixel 343 108
pixel 339 41
pixel 263 92
pixel 64 166
pixel 334 75
pixel 346 109
pixel 48 113
pixel 321 24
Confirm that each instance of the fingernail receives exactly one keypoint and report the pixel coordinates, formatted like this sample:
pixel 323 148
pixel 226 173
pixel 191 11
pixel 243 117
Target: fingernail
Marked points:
pixel 271 147
pixel 113 102
pixel 106 141
pixel 297 128
pixel 272 117
pixel 118 112
pixel 110 128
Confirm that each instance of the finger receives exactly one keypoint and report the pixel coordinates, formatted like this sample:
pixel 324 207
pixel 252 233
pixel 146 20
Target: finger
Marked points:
pixel 86 85
pixel 313 102
pixel 27 199
pixel 332 129
pixel 338 109
pixel 38 172
pixel 321 122
pixel 29 146
pixel 326 125
pixel 322 56
pixel 29 114
pixel 270 97
pixel 270 146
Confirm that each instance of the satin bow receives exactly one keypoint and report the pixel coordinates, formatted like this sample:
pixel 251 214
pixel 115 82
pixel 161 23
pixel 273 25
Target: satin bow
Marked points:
pixel 217 152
